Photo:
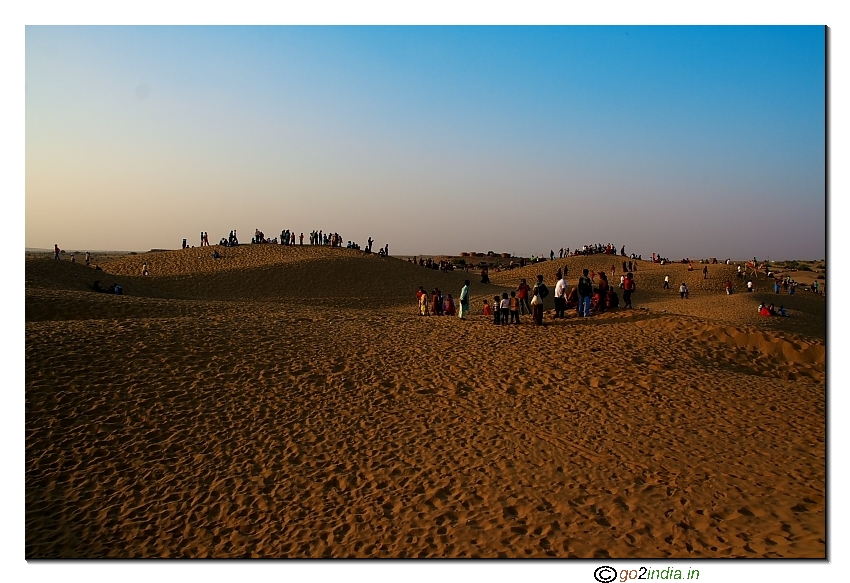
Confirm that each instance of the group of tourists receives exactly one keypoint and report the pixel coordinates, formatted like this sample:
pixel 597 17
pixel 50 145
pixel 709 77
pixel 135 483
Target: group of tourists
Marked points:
pixel 436 304
pixel 769 310
pixel 113 289
pixel 587 297
pixel 443 265
pixel 592 249
pixel 231 241
pixel 287 237
pixel 787 285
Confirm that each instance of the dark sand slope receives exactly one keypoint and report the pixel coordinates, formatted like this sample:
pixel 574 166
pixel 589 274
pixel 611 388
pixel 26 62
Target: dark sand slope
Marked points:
pixel 227 410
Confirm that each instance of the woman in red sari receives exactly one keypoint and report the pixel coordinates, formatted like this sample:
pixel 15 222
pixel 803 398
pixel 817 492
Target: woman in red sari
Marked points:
pixel 436 304
pixel 450 306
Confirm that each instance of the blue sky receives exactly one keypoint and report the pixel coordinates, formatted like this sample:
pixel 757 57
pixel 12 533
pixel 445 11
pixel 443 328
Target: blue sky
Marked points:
pixel 688 141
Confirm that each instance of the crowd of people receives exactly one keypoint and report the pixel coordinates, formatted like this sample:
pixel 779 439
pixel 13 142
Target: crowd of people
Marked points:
pixel 592 249
pixel 287 237
pixel 587 297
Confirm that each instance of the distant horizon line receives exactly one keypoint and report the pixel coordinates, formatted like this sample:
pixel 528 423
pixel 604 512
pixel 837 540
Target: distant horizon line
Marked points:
pixel 402 255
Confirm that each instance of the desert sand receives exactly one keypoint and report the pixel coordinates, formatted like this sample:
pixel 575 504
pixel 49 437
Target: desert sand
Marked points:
pixel 290 402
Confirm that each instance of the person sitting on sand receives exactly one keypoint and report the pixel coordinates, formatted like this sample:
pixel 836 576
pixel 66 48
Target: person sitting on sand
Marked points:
pixel 597 303
pixel 96 286
pixel 216 254
pixel 487 310
pixel 728 287
pixel 771 309
pixel 782 312
pixel 764 311
pixel 116 289
pixel 572 299
pixel 485 276
pixel 684 292
pixel 497 312
pixel 750 286
pixel 612 300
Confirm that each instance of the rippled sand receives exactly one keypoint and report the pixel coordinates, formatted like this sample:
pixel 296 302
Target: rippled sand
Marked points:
pixel 290 402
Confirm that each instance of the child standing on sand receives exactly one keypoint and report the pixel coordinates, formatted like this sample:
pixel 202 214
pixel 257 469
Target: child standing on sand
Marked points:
pixel 487 311
pixel 497 315
pixel 513 305
pixel 504 307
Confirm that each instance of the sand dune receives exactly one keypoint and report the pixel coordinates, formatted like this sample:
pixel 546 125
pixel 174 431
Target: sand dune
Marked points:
pixel 289 402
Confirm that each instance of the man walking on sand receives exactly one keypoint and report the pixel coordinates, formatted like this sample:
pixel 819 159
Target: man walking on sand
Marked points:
pixel 561 298
pixel 464 300
pixel 629 288
pixel 585 290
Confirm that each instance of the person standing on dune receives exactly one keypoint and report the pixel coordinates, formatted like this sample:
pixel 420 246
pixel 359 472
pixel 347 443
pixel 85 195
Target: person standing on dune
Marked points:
pixel 537 307
pixel 464 300
pixel 522 293
pixel 585 290
pixel 561 297
pixel 629 289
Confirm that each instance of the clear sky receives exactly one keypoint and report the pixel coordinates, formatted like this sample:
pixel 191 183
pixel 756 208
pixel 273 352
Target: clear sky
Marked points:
pixel 688 141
